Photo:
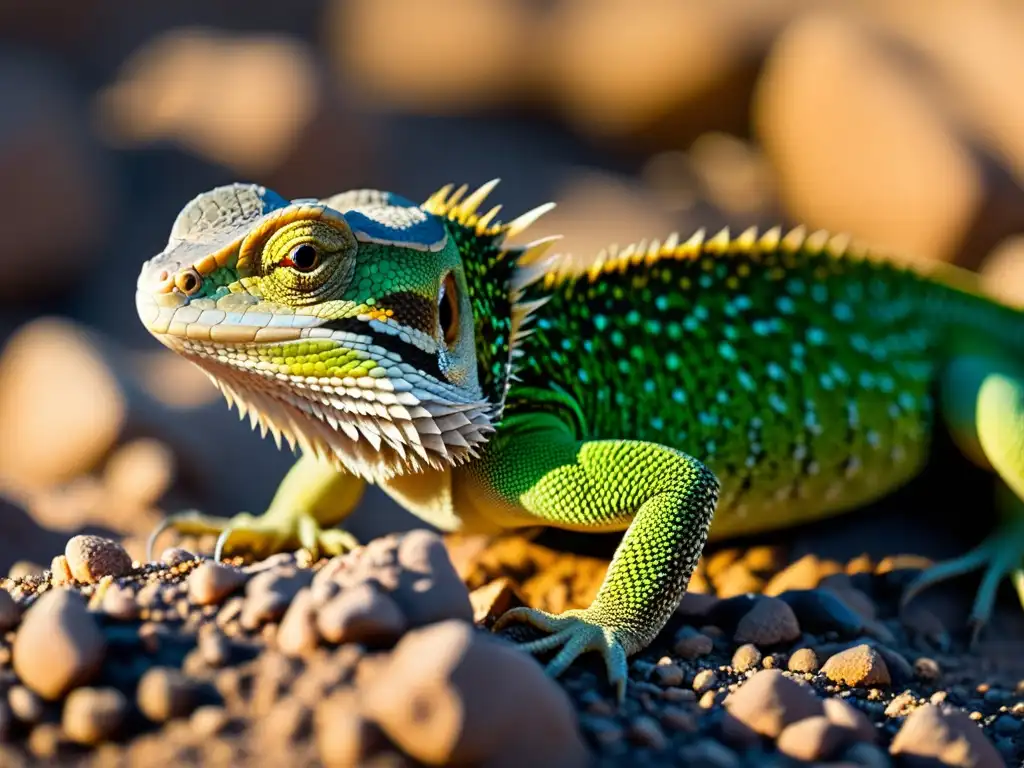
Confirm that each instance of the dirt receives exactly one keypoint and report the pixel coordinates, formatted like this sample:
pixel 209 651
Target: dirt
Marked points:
pixel 384 657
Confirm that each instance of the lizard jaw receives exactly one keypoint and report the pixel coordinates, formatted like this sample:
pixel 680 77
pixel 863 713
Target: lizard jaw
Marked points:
pixel 375 426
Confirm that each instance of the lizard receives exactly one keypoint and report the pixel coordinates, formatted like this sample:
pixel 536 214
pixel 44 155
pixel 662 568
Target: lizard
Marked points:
pixel 672 390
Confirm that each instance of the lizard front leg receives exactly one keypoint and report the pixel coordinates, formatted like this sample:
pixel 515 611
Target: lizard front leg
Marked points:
pixel 666 499
pixel 311 499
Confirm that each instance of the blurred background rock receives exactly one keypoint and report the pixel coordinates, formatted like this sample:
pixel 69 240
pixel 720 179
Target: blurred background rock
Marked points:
pixel 902 124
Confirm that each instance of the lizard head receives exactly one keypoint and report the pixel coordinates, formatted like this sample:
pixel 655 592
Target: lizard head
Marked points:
pixel 371 331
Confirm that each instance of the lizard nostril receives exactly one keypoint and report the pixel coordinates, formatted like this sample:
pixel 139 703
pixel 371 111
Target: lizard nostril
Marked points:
pixel 188 281
pixel 162 275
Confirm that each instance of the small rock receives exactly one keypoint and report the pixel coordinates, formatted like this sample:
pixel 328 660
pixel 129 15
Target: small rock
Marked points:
pixel 821 610
pixel 165 694
pixel 769 701
pixel 176 556
pixel 695 606
pixel 119 603
pixel 678 719
pixel 813 738
pixel 472 703
pixel 946 735
pixel 492 600
pixel 803 660
pixel 704 680
pixel 211 582
pixel 861 665
pixel 26 705
pixel 901 705
pixel 691 644
pixel 60 571
pixel 58 646
pixel 361 614
pixel 847 716
pixel 93 715
pixel 646 732
pixel 90 558
pixel 668 675
pixel 805 573
pixel 10 614
pixel 209 720
pixel 430 590
pixel 23 569
pixel 747 656
pixel 213 647
pixel 769 622
pixel 345 737
pixel 297 635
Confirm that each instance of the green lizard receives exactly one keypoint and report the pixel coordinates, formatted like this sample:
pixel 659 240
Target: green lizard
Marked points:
pixel 763 379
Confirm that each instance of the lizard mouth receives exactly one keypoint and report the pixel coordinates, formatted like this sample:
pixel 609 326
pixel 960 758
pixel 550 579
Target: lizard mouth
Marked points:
pixel 369 397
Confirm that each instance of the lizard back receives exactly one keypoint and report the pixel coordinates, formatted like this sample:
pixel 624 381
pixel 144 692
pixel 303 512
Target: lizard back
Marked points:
pixel 800 372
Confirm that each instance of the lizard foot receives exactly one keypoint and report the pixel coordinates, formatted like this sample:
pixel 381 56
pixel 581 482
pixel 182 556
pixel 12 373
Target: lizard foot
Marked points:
pixel 574 632
pixel 265 534
pixel 1001 556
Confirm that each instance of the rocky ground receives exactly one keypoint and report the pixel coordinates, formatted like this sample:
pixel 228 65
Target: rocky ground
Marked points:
pixel 383 657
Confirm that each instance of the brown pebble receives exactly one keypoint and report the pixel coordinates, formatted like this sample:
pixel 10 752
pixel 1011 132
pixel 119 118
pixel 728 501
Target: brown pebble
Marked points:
pixel 165 694
pixel 93 715
pixel 492 600
pixel 678 719
pixel 435 699
pixel 679 695
pixel 211 582
pixel 646 732
pixel 704 680
pixel 344 737
pixel 90 558
pixel 668 675
pixel 737 580
pixel 297 635
pixel 119 603
pixel 10 614
pixel 927 669
pixel 60 571
pixel 769 701
pixel 770 621
pixel 24 569
pixel 847 716
pixel 209 720
pixel 803 660
pixel 691 644
pixel 59 645
pixel 813 738
pixel 947 736
pixel 45 741
pixel 213 647
pixel 173 556
pixel 361 614
pixel 26 704
pixel 861 665
pixel 805 573
pixel 747 656
pixel 901 705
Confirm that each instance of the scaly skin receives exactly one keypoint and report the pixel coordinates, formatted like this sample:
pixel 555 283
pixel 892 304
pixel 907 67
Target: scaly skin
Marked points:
pixel 762 380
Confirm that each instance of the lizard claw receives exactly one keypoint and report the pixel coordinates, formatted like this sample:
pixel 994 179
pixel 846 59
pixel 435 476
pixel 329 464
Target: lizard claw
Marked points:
pixel 574 632
pixel 1000 556
pixel 264 534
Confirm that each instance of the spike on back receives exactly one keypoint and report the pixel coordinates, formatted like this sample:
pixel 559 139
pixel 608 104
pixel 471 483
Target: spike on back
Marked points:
pixel 496 274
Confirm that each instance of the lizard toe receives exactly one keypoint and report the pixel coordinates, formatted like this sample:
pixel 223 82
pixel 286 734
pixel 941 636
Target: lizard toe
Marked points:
pixel 573 633
pixel 998 557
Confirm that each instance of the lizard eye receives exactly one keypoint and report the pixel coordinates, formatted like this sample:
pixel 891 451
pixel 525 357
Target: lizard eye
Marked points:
pixel 448 309
pixel 302 258
pixel 188 281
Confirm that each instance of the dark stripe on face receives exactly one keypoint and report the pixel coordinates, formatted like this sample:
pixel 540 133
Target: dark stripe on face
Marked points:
pixel 409 353
pixel 412 310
